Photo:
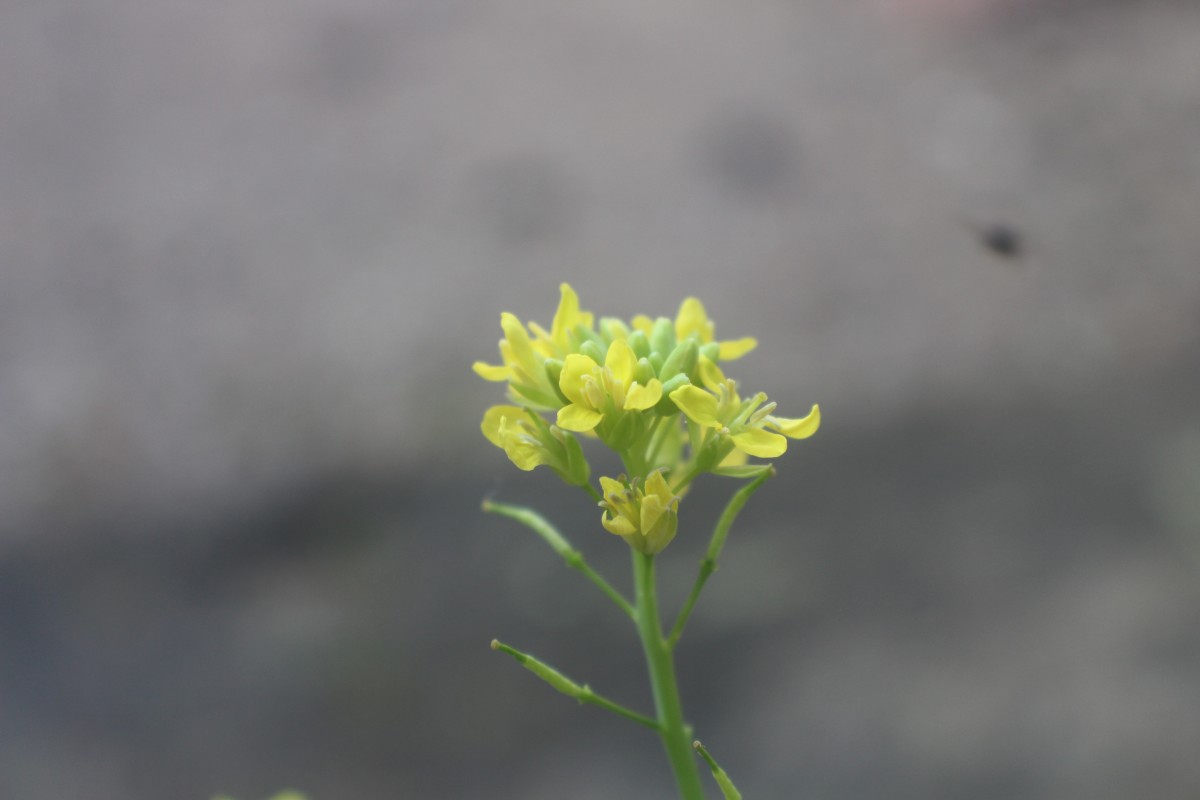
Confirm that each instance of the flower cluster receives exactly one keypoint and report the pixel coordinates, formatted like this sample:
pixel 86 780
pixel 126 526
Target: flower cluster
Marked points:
pixel 650 389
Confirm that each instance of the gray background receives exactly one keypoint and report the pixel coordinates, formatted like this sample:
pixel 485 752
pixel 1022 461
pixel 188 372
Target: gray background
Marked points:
pixel 248 251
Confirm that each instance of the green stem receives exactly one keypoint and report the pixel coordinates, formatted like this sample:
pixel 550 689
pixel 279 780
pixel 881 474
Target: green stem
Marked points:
pixel 709 565
pixel 550 535
pixel 661 666
pixel 583 693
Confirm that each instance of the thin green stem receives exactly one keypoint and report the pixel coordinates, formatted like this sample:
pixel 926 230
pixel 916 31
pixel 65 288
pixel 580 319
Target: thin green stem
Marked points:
pixel 727 788
pixel 661 666
pixel 574 559
pixel 709 565
pixel 593 491
pixel 581 692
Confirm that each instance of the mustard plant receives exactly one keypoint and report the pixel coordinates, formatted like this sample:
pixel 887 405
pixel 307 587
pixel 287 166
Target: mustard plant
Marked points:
pixel 653 392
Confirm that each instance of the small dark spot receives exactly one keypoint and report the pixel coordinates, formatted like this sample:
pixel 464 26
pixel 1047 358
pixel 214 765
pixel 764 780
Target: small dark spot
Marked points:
pixel 1002 240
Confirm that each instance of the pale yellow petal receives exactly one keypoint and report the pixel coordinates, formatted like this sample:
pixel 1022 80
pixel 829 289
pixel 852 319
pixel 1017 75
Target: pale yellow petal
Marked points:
pixel 567 316
pixel 491 372
pixel 656 486
pixel 697 404
pixel 641 397
pixel 642 323
pixel 608 486
pixel 736 348
pixel 797 428
pixel 492 418
pixel 760 443
pixel 578 418
pixel 652 508
pixel 692 319
pixel 711 375
pixel 736 458
pixel 618 525
pixel 575 367
pixel 621 361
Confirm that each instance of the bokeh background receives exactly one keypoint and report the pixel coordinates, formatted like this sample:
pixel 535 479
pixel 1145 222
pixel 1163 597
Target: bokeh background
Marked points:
pixel 248 251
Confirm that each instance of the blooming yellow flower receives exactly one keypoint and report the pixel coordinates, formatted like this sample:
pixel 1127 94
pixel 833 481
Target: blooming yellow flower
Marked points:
pixel 525 358
pixel 529 442
pixel 595 391
pixel 720 407
pixel 645 518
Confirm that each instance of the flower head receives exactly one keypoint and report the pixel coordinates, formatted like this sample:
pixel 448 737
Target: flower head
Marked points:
pixel 529 442
pixel 595 391
pixel 645 517
pixel 526 359
pixel 718 408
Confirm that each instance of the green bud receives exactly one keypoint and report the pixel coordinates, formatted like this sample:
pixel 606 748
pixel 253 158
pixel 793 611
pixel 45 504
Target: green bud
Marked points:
pixel 683 359
pixel 645 371
pixel 639 343
pixel 710 351
pixel 593 350
pixel 612 328
pixel 656 361
pixel 662 337
pixel 666 406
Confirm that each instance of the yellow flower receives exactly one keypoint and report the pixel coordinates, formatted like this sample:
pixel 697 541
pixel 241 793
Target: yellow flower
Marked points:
pixel 595 391
pixel 645 518
pixel 692 320
pixel 525 358
pixel 719 407
pixel 529 442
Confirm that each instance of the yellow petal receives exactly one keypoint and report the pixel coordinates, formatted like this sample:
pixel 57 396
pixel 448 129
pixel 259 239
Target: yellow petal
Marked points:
pixel 736 458
pixel 641 397
pixel 797 428
pixel 567 316
pixel 652 509
pixel 608 486
pixel 520 448
pixel 656 486
pixel 618 525
pixel 575 367
pixel 697 404
pixel 760 443
pixel 736 348
pixel 621 361
pixel 711 375
pixel 642 323
pixel 692 319
pixel 491 372
pixel 518 341
pixel 578 418
pixel 492 418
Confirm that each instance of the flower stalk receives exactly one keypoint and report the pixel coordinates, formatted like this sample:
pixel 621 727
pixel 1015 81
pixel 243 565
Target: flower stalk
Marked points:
pixel 650 391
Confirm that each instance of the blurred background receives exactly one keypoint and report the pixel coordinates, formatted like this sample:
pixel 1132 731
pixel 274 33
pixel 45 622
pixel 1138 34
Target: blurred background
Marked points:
pixel 249 250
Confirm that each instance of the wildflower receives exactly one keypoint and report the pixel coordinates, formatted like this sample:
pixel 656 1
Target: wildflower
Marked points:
pixel 596 391
pixel 719 407
pixel 645 518
pixel 529 442
pixel 529 362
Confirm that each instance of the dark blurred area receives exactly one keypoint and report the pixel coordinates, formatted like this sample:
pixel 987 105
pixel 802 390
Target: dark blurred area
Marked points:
pixel 248 252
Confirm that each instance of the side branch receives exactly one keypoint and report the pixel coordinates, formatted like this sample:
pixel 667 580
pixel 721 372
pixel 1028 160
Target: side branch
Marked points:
pixel 709 565
pixel 583 693
pixel 727 788
pixel 574 559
